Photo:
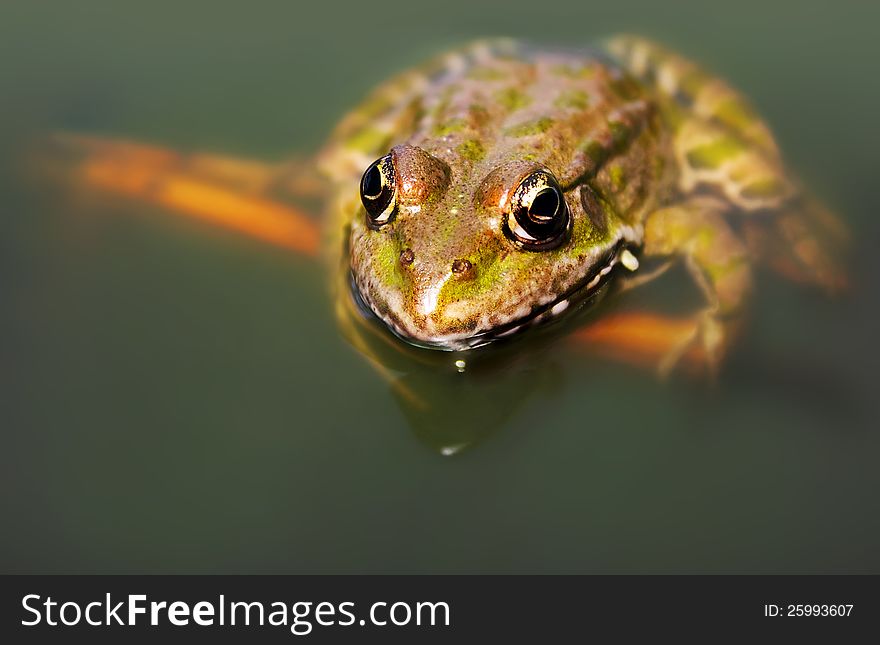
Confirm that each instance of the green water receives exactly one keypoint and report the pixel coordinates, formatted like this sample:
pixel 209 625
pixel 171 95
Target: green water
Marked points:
pixel 178 399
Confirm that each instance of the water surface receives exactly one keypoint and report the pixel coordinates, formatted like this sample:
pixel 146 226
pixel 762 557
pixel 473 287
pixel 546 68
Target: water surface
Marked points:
pixel 178 399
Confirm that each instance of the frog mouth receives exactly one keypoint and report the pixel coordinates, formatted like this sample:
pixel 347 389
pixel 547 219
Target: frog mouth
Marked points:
pixel 574 298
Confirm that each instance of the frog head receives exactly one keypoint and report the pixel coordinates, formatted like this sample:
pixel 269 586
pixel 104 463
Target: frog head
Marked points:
pixel 453 255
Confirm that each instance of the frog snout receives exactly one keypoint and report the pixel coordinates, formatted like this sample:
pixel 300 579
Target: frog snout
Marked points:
pixel 462 268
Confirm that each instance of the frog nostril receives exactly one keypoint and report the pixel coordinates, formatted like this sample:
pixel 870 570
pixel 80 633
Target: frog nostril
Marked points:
pixel 406 256
pixel 461 267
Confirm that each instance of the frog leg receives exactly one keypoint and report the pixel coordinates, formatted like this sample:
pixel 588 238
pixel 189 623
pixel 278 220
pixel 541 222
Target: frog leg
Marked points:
pixel 232 193
pixel 804 243
pixel 697 232
pixel 785 227
pixel 642 339
pixel 634 281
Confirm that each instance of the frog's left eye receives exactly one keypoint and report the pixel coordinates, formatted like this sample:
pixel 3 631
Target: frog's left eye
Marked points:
pixel 378 192
pixel 538 217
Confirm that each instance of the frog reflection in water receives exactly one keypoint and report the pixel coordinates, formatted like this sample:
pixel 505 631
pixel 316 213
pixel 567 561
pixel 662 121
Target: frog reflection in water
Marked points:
pixel 503 186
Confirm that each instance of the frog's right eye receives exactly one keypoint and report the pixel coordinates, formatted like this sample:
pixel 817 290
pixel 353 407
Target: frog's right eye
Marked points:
pixel 378 192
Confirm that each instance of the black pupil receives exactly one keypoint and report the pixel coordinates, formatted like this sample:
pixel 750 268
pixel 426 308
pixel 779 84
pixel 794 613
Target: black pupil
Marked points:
pixel 372 184
pixel 545 205
pixel 544 219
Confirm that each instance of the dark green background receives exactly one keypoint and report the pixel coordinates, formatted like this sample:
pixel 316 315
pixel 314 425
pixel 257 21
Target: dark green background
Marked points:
pixel 177 399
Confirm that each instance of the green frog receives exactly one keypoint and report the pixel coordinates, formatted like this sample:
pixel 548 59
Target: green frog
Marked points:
pixel 504 186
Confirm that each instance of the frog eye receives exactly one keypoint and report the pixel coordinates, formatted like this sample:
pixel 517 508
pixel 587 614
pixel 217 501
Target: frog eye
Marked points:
pixel 378 192
pixel 538 218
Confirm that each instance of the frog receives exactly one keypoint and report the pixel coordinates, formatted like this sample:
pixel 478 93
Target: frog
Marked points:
pixel 513 182
pixel 507 187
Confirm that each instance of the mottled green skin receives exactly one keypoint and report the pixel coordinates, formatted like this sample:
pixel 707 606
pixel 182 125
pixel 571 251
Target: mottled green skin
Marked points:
pixel 635 136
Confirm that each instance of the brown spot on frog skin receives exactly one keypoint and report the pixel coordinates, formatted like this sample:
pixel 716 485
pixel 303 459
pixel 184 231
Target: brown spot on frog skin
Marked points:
pixel 462 268
pixel 407 257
